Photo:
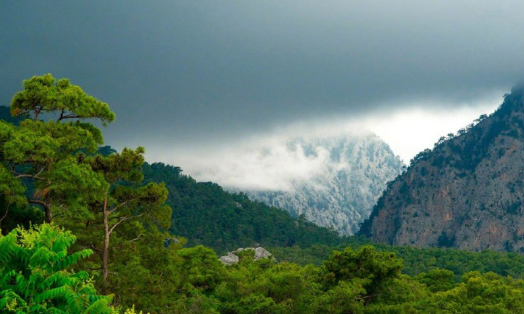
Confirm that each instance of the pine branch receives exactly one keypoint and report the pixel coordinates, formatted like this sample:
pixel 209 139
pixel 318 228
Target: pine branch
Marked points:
pixel 122 219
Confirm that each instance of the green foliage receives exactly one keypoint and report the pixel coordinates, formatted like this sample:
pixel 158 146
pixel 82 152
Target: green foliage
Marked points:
pixel 416 260
pixel 100 197
pixel 350 281
pixel 206 214
pixel 437 279
pixel 126 211
pixel 372 267
pixel 40 155
pixel 11 189
pixel 200 268
pixel 46 94
pixel 480 293
pixel 266 287
pixel 36 275
pixel 132 311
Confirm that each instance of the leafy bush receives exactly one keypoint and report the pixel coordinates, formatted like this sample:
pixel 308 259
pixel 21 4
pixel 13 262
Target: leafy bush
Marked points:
pixel 36 274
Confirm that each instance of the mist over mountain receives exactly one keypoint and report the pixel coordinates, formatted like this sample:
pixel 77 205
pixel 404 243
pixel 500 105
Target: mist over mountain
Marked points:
pixel 352 170
pixel 468 192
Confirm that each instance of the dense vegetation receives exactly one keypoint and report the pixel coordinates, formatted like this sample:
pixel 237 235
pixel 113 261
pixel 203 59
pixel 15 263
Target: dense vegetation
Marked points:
pixel 116 253
pixel 416 260
pixel 206 214
pixel 34 276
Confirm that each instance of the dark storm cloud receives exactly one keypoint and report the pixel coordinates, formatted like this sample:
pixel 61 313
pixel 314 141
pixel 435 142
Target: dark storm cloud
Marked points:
pixel 182 71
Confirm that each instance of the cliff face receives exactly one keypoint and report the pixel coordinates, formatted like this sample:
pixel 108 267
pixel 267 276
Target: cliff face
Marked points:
pixel 468 192
pixel 342 195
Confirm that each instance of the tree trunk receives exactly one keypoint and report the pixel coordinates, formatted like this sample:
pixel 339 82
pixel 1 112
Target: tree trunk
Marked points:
pixel 48 214
pixel 105 252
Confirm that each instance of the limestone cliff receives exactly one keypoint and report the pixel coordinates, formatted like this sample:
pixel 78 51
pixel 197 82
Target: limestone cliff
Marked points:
pixel 467 193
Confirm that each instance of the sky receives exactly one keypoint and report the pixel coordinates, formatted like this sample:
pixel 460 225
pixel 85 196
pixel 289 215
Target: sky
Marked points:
pixel 199 82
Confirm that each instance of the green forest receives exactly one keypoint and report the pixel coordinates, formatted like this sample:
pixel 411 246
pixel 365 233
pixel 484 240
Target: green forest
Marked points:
pixel 206 214
pixel 91 230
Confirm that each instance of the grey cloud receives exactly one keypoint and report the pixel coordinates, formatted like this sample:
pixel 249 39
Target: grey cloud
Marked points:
pixel 181 72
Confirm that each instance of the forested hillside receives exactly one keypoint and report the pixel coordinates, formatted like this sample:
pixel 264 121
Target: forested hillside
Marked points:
pixel 206 214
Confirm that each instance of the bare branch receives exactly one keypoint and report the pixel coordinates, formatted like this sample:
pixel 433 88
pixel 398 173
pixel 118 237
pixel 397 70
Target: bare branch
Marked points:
pixel 37 112
pixel 27 175
pixel 71 116
pixel 135 239
pixel 122 219
pixel 6 212
pixel 61 115
pixel 40 172
pixel 23 175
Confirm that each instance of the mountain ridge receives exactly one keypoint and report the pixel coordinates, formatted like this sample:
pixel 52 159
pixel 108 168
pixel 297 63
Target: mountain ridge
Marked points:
pixel 465 193
pixel 205 213
pixel 353 175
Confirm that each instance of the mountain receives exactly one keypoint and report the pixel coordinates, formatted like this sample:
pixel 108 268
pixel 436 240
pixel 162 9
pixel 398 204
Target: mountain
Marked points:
pixel 351 178
pixel 467 193
pixel 204 213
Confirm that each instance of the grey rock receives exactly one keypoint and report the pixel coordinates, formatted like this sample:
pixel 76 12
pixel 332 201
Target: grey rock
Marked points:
pixel 466 193
pixel 229 259
pixel 232 257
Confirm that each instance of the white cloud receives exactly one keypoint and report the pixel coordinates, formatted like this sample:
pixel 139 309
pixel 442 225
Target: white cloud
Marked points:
pixel 259 164
pixel 413 129
pixel 264 161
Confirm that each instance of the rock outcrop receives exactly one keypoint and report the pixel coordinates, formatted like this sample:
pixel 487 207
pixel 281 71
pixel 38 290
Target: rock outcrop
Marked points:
pixel 233 258
pixel 467 193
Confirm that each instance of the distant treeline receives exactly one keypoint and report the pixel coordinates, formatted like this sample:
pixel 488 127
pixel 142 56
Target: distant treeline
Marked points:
pixel 416 260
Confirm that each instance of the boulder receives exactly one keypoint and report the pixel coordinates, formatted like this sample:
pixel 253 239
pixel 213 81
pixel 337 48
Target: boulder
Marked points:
pixel 232 257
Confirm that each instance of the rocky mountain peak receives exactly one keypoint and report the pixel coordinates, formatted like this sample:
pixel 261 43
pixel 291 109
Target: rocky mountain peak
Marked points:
pixel 353 171
pixel 467 192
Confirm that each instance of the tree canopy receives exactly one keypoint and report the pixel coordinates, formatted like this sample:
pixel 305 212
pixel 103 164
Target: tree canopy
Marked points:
pixel 45 94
